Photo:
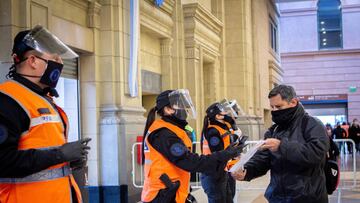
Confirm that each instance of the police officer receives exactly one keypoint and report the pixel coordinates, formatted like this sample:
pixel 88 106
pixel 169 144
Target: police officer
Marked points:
pixel 35 158
pixel 167 150
pixel 217 135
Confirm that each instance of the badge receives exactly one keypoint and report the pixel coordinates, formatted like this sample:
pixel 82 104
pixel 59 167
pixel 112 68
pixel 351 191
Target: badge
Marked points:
pixel 177 149
pixel 214 141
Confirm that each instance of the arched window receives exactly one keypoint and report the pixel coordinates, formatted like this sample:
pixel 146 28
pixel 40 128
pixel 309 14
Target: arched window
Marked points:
pixel 329 24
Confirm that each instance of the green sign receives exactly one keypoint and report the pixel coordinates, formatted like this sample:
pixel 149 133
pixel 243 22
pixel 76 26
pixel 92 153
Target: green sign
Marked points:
pixel 352 89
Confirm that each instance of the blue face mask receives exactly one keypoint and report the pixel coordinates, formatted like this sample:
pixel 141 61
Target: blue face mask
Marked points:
pixel 52 74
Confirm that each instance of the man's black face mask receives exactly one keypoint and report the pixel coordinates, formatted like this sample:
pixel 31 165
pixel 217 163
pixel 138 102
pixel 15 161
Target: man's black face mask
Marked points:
pixel 284 116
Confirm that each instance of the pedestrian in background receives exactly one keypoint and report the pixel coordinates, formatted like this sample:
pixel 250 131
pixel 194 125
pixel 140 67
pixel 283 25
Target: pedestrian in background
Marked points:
pixel 354 133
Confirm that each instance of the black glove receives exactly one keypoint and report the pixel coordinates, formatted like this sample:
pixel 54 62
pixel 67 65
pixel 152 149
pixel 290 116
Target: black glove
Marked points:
pixel 241 140
pixel 75 150
pixel 232 151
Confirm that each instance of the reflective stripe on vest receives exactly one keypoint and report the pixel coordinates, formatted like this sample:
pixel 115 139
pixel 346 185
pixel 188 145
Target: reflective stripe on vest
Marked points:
pixel 45 119
pixel 47 174
pixel 156 164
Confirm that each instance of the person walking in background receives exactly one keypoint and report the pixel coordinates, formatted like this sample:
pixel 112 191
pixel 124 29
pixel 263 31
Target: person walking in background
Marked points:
pixel 329 130
pixel 354 133
pixel 346 126
pixel 340 133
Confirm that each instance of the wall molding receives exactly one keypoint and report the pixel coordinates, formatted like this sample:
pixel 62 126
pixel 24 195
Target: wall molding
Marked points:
pixel 155 19
pixel 202 27
pixel 321 52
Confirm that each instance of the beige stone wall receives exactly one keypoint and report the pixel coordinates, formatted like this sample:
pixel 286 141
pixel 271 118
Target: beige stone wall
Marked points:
pixel 150 53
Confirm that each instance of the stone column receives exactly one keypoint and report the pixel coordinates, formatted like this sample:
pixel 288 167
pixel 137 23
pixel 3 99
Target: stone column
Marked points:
pixel 168 75
pixel 193 82
pixel 109 151
pixel 131 125
pixel 239 61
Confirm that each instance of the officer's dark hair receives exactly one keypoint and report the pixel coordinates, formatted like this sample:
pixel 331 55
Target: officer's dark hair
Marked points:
pixel 162 100
pixel 286 92
pixel 18 52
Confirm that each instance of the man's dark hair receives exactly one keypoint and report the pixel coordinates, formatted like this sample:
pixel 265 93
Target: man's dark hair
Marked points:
pixel 285 91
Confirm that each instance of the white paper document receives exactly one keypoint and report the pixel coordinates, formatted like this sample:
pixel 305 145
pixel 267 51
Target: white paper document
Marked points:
pixel 246 157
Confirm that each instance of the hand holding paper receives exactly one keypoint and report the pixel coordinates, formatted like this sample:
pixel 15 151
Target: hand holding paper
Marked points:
pixel 246 157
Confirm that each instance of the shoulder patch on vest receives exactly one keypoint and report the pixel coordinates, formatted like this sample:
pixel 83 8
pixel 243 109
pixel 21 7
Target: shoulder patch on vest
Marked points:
pixel 177 149
pixel 3 134
pixel 214 141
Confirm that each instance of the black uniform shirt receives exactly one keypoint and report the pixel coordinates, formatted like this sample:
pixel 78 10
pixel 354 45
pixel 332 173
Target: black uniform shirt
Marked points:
pixel 13 122
pixel 173 148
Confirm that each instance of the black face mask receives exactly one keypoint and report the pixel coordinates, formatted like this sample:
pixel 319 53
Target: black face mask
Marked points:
pixel 229 119
pixel 52 74
pixel 284 116
pixel 180 114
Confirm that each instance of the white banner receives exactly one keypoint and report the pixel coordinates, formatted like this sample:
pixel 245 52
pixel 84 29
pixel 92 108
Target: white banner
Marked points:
pixel 134 45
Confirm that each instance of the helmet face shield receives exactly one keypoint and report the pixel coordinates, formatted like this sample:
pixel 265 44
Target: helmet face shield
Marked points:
pixel 180 100
pixel 221 107
pixel 231 107
pixel 43 41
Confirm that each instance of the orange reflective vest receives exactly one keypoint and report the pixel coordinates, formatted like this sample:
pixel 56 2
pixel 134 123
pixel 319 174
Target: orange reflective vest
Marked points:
pixel 46 131
pixel 225 135
pixel 156 164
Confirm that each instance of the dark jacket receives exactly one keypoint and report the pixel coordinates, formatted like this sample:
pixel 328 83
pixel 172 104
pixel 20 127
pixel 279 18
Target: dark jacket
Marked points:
pixel 339 133
pixel 353 131
pixel 297 173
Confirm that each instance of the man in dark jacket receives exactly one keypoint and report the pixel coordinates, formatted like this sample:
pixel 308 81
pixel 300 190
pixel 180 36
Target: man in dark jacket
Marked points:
pixel 294 156
pixel 354 133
